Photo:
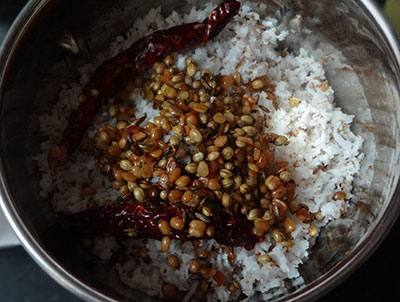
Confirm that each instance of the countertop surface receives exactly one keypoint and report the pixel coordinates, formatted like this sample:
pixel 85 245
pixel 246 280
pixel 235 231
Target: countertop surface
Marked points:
pixel 21 280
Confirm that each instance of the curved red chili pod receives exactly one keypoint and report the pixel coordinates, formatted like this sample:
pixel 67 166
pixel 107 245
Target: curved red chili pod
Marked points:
pixel 219 18
pixel 131 62
pixel 142 221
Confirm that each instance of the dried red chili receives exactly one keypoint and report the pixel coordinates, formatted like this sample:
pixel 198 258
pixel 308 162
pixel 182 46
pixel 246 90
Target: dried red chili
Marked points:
pixel 133 61
pixel 118 218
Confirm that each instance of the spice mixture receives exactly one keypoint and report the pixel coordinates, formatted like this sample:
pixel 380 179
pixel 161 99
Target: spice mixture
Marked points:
pixel 197 174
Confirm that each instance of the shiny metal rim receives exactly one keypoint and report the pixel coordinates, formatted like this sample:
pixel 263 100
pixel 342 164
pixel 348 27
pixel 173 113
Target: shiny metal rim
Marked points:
pixel 309 293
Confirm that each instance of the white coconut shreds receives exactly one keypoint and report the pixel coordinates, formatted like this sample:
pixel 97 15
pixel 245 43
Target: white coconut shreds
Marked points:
pixel 320 141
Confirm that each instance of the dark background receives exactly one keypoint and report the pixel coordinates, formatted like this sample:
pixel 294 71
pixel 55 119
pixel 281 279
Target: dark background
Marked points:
pixel 21 280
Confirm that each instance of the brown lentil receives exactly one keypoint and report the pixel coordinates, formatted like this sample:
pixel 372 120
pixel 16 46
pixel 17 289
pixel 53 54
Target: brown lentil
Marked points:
pixel 208 272
pixel 178 131
pixel 203 254
pixel 237 180
pixel 253 167
pixel 244 188
pixel 187 196
pixel 125 165
pixel 279 207
pixel 210 231
pixel 318 216
pixel 281 140
pixel 163 194
pixel 174 175
pixel 139 194
pixel 116 184
pixel 170 92
pixel 219 278
pixel 174 141
pixel 112 111
pixel 279 192
pixel 205 97
pixel 175 195
pixel 226 200
pixel 230 118
pixel 261 224
pixel 201 108
pixel 156 133
pixel 183 181
pixel 197 228
pixel 237 77
pixel 285 176
pixel 254 213
pixel 272 182
pixel 198 157
pixel 257 84
pixel 123 190
pixel 227 153
pixel 265 203
pixel 202 169
pixel 247 119
pixel 339 196
pixel 104 137
pixel 219 118
pixel 287 243
pixel 277 235
pixel 250 130
pixel 196 84
pixel 213 156
pixel 240 143
pixel 191 69
pixel 196 135
pixel 232 288
pixel 121 125
pixel 164 227
pixel 264 258
pixel 221 140
pixel 177 223
pixel 289 225
pixel 128 176
pixel 227 183
pixel 165 244
pixel 194 266
pixel 191 168
pixel 173 261
pixel 293 206
pixel 225 173
pixel 313 230
pixel 207 211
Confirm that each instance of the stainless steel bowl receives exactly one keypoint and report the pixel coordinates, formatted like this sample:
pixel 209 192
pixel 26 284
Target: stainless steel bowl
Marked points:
pixel 33 67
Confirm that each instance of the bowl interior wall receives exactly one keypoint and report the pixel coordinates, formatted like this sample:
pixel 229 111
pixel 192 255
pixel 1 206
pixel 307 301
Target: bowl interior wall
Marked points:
pixel 39 67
